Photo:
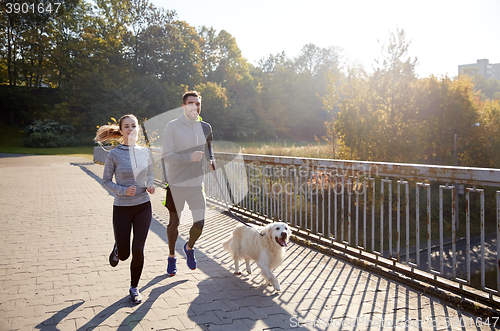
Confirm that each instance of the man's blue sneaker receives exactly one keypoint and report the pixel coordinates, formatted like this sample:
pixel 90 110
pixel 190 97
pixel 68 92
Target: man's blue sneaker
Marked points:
pixel 191 260
pixel 172 266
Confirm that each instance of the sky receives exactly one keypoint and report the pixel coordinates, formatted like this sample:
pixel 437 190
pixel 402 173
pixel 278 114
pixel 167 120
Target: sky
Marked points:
pixel 443 33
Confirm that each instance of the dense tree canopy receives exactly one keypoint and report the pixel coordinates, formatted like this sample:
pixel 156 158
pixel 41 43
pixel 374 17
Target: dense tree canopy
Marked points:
pixel 391 115
pixel 92 61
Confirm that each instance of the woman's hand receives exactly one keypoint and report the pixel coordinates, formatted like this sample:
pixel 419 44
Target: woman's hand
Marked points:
pixel 131 190
pixel 151 189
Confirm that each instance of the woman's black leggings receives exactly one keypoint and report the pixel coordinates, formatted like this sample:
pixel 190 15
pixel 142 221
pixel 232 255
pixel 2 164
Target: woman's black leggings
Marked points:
pixel 126 219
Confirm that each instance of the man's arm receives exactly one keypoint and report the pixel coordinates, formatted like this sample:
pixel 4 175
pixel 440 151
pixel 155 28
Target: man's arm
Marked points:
pixel 209 153
pixel 168 148
pixel 151 174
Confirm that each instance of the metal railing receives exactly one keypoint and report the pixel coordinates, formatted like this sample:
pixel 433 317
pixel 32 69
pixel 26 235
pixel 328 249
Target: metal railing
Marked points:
pixel 408 217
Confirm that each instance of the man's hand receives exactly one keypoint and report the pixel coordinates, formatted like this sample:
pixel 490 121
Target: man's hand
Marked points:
pixel 196 156
pixel 212 165
pixel 150 189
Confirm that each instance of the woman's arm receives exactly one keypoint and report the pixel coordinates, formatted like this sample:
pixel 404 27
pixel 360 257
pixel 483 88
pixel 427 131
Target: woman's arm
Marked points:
pixel 107 177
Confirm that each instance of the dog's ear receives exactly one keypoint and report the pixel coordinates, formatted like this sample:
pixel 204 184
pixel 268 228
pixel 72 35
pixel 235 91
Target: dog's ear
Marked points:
pixel 267 230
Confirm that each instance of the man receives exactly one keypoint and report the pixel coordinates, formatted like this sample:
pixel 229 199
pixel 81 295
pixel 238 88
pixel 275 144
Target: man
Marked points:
pixel 186 140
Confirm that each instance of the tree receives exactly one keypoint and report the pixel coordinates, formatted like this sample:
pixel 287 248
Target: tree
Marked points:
pixel 489 131
pixel 357 124
pixel 225 66
pixel 143 15
pixel 316 61
pixel 215 109
pixel 454 110
pixel 393 97
pixel 331 101
pixel 289 90
pixel 26 42
pixel 168 49
pixel 71 53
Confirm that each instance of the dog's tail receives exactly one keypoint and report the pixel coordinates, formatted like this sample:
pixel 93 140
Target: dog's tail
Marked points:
pixel 228 245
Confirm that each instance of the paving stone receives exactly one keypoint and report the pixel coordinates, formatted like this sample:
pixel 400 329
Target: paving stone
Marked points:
pixel 173 322
pixel 230 316
pixel 261 325
pixel 54 270
pixel 200 309
pixel 264 312
pixel 207 318
pixel 235 325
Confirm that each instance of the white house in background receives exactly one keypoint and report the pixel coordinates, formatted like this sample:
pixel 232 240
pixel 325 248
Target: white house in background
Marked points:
pixel 482 67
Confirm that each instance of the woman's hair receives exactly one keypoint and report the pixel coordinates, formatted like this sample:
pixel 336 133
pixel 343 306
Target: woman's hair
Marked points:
pixel 111 131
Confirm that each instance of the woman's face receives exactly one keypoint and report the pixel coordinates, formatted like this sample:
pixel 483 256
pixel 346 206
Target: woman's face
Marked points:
pixel 128 130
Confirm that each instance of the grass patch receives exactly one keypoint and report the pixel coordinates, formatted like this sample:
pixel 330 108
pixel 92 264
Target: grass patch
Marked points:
pixel 275 143
pixel 12 139
pixel 12 136
pixel 85 152
pixel 301 149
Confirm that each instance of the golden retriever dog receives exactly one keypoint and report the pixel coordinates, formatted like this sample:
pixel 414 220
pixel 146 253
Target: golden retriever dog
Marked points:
pixel 266 248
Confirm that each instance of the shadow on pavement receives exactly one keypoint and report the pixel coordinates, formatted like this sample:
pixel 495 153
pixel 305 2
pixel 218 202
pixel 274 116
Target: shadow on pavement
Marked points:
pixel 50 324
pixel 133 319
pixel 315 287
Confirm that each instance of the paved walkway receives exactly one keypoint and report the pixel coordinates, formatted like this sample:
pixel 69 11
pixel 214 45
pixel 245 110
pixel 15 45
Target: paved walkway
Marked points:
pixel 56 235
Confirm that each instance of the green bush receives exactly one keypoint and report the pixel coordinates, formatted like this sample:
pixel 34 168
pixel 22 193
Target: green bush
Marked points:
pixel 49 133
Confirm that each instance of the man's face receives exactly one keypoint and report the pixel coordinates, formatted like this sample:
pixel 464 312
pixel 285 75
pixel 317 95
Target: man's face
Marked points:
pixel 192 107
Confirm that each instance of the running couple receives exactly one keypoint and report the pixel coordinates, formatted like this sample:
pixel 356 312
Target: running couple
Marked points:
pixel 187 139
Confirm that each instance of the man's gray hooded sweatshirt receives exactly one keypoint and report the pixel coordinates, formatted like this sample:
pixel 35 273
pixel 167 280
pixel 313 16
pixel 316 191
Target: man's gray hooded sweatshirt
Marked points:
pixel 131 165
pixel 182 137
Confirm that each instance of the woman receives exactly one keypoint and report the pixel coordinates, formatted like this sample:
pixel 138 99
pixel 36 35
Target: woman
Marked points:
pixel 132 167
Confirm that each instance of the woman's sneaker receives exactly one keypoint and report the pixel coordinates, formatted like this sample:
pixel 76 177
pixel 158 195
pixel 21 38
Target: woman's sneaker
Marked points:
pixel 113 257
pixel 135 297
pixel 172 266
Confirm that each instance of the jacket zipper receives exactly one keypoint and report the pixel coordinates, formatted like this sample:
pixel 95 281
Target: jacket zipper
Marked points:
pixel 196 144
pixel 135 159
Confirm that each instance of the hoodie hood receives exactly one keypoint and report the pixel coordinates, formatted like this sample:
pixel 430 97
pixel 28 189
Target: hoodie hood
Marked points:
pixel 125 147
pixel 187 121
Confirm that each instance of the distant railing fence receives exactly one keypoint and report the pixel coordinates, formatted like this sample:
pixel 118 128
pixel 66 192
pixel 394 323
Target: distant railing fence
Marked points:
pixel 439 219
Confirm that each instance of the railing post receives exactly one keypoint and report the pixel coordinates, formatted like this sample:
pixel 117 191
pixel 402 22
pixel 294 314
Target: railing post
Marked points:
pixel 498 241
